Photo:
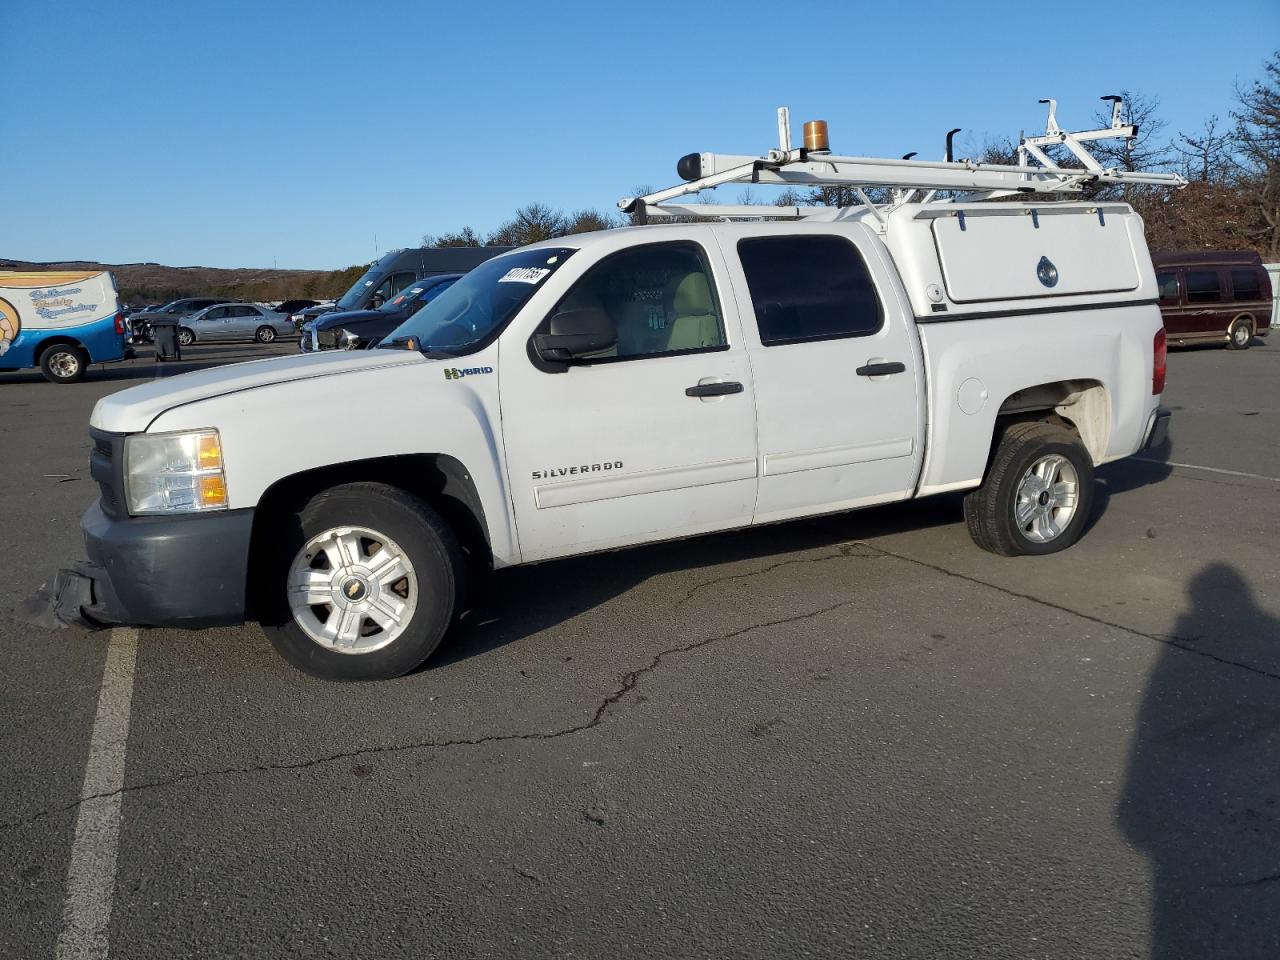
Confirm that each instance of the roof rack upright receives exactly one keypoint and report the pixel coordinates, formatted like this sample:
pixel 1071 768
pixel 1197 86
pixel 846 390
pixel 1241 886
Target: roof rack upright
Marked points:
pixel 814 165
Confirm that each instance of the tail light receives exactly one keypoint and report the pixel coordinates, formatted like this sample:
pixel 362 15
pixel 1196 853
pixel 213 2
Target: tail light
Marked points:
pixel 120 322
pixel 1160 362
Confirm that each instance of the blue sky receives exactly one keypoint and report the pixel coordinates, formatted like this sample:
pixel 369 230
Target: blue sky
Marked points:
pixel 242 134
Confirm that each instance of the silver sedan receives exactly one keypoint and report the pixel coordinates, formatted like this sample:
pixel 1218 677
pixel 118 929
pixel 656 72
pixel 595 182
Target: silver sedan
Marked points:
pixel 235 321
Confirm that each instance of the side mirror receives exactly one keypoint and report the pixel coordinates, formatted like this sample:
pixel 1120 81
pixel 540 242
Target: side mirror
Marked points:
pixel 575 333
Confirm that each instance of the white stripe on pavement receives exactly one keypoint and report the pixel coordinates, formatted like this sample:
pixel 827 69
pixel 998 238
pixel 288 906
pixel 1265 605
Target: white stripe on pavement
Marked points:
pixel 1196 466
pixel 91 875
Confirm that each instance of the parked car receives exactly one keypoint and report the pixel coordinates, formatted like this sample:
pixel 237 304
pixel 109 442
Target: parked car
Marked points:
pixel 60 321
pixel 140 323
pixel 234 321
pixel 395 271
pixel 359 329
pixel 1214 297
pixel 290 307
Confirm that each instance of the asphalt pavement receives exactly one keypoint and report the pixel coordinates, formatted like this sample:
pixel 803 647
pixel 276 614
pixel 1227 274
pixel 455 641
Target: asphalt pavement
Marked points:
pixel 854 736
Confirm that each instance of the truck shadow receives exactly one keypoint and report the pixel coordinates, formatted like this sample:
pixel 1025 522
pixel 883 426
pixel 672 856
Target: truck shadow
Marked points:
pixel 1128 474
pixel 1202 794
pixel 520 602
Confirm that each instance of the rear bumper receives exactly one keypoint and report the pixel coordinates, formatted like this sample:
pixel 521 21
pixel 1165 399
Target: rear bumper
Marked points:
pixel 1157 429
pixel 183 571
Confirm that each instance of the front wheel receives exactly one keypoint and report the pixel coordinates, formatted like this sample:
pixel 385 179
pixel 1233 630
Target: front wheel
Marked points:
pixel 1037 493
pixel 265 334
pixel 64 363
pixel 364 584
pixel 185 337
pixel 1240 334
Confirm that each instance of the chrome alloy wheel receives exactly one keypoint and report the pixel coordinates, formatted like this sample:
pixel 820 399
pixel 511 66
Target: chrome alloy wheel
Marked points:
pixel 1046 500
pixel 1242 334
pixel 64 364
pixel 352 590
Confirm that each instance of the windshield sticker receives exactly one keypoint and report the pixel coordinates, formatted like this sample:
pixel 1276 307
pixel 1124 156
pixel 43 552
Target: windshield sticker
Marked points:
pixel 453 373
pixel 523 275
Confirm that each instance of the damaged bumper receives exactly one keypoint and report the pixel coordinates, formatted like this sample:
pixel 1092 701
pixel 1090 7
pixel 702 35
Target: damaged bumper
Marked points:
pixel 180 571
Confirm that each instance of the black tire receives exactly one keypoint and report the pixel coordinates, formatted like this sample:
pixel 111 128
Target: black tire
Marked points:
pixel 1240 334
pixel 265 334
pixel 989 510
pixel 425 539
pixel 186 337
pixel 64 363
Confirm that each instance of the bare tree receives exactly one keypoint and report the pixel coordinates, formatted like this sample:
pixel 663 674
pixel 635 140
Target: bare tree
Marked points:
pixel 1206 156
pixel 531 223
pixel 466 237
pixel 587 221
pixel 1257 119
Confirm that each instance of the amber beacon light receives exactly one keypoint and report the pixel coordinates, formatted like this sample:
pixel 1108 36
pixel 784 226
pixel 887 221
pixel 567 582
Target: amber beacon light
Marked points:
pixel 815 136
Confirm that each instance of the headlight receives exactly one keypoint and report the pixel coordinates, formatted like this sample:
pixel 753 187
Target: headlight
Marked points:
pixel 174 472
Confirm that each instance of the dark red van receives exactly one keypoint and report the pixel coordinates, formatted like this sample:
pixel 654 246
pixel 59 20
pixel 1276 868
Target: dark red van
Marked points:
pixel 1213 296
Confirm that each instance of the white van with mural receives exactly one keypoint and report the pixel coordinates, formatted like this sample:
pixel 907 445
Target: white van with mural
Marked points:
pixel 59 321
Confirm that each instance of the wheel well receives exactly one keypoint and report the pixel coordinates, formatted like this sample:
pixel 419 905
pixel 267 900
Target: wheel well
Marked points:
pixel 48 342
pixel 1082 406
pixel 437 478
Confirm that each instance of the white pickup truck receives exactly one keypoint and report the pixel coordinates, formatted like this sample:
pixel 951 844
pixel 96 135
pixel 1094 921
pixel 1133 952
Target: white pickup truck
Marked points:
pixel 622 387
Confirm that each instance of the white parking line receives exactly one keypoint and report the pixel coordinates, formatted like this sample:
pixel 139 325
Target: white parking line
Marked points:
pixel 91 875
pixel 1196 466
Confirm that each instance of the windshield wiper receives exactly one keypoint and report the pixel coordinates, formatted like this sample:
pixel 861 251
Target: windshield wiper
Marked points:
pixel 403 343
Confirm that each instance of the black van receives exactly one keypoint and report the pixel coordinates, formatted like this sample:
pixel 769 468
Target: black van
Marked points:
pixel 395 271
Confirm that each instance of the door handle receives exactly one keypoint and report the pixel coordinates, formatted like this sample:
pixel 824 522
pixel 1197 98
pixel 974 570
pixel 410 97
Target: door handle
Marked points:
pixel 881 369
pixel 721 388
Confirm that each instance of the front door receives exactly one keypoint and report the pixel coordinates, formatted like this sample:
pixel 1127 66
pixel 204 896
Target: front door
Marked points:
pixel 650 439
pixel 836 366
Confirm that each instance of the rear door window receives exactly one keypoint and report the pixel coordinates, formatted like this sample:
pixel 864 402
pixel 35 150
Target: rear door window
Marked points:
pixel 1168 283
pixel 1203 286
pixel 1246 284
pixel 807 288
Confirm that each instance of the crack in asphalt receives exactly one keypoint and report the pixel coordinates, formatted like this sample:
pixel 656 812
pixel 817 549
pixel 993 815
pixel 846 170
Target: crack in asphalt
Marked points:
pixel 632 678
pixel 629 682
pixel 1242 884
pixel 845 552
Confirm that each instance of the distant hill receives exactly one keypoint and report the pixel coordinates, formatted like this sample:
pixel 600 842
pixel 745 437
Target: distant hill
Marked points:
pixel 143 283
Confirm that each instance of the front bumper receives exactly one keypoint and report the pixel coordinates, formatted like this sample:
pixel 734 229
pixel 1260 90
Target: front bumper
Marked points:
pixel 180 571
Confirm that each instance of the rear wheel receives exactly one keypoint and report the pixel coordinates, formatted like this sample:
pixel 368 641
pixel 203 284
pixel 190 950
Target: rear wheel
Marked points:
pixel 185 337
pixel 1037 493
pixel 64 363
pixel 265 334
pixel 364 584
pixel 1240 334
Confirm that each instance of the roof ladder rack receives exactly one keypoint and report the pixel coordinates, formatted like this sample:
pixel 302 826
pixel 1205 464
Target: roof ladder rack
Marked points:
pixel 814 165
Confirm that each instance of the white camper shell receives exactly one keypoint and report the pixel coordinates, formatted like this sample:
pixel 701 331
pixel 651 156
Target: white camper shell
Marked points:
pixel 601 390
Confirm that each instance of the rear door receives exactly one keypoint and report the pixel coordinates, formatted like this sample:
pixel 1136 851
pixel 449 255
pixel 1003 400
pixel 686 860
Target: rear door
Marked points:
pixel 836 365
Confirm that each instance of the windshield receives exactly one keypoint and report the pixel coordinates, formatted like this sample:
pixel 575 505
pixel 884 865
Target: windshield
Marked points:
pixel 352 296
pixel 401 299
pixel 480 304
